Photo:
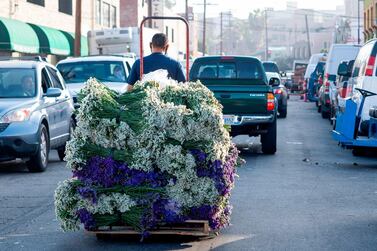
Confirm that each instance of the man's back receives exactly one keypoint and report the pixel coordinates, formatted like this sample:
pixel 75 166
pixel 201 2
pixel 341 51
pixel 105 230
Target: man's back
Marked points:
pixel 157 61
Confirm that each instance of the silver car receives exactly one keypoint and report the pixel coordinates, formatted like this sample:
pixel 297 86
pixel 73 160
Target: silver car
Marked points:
pixel 36 112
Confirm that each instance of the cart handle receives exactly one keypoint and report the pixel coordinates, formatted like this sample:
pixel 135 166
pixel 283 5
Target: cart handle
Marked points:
pixel 187 42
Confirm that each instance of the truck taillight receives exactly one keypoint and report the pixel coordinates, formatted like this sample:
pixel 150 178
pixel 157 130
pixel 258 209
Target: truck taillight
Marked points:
pixel 270 102
pixel 278 91
pixel 370 66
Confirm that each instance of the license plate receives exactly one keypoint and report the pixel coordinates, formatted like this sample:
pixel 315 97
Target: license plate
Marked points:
pixel 229 119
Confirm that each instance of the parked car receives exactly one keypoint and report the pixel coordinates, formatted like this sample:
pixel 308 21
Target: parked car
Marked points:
pixel 281 94
pixel 364 76
pixel 240 84
pixel 110 70
pixel 36 112
pixel 337 54
pixel 313 71
pixel 271 67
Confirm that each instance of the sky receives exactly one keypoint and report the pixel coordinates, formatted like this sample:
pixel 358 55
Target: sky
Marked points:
pixel 241 8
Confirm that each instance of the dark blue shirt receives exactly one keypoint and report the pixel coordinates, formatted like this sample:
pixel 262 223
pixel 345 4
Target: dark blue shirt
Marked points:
pixel 154 62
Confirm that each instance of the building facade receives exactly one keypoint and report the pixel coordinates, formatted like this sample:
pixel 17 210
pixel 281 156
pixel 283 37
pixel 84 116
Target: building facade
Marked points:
pixel 370 19
pixel 52 20
pixel 134 11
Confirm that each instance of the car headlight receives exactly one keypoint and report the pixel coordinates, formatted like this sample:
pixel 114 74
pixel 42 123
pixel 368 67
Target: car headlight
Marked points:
pixel 18 115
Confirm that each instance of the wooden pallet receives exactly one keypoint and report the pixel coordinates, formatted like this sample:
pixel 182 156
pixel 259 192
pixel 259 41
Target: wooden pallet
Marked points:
pixel 195 228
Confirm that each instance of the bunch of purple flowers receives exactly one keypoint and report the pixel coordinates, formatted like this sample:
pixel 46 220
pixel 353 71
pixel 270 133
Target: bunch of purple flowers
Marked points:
pixel 106 172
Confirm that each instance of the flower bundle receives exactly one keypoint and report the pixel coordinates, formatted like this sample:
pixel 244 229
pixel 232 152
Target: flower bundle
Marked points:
pixel 153 156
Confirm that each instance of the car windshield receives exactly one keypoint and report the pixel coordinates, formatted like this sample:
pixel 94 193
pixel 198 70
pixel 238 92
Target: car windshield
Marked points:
pixel 105 71
pixel 270 67
pixel 17 83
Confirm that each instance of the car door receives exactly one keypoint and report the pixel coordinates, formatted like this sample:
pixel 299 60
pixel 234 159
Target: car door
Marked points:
pixel 49 107
pixel 63 108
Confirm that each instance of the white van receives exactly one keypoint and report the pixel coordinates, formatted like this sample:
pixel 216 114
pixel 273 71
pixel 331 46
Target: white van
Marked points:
pixel 364 76
pixel 337 54
pixel 314 60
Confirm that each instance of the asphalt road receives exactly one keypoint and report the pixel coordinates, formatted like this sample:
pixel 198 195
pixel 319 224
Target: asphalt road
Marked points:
pixel 311 195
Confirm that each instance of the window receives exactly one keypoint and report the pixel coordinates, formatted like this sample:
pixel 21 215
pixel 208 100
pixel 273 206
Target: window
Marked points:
pixel 17 83
pixel 113 16
pixel 106 14
pixel 105 71
pixel 362 60
pixel 54 77
pixel 167 31
pixel 98 11
pixel 65 6
pixel 45 81
pixel 172 35
pixel 38 2
pixel 228 70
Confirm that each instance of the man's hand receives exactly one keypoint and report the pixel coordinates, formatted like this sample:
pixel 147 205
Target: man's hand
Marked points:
pixel 130 88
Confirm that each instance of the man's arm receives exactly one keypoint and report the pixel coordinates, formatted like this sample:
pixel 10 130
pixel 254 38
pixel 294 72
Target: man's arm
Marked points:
pixel 134 74
pixel 180 76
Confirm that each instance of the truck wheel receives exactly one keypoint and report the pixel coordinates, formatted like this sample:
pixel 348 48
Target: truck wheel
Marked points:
pixel 283 113
pixel 39 161
pixel 319 109
pixel 268 140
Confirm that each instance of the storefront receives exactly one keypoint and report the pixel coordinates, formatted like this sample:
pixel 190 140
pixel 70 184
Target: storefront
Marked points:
pixel 18 38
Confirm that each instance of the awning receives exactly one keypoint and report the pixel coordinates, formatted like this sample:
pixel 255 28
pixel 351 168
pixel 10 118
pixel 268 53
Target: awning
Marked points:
pixel 52 41
pixel 31 38
pixel 17 36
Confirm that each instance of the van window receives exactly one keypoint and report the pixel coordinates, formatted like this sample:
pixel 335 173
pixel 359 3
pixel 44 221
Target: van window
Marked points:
pixel 362 60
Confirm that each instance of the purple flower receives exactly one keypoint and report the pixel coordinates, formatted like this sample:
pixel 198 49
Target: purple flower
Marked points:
pixel 86 218
pixel 88 193
pixel 107 172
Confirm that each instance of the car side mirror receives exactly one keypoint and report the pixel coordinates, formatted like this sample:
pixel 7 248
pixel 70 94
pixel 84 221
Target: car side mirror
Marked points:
pixel 343 69
pixel 274 82
pixel 53 92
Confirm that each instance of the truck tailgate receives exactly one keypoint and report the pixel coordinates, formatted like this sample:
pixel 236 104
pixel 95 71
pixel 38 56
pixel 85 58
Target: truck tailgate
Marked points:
pixel 242 99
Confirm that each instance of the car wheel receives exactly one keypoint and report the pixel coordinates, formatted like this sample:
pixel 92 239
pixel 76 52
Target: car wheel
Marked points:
pixel 268 140
pixel 61 151
pixel 39 161
pixel 325 115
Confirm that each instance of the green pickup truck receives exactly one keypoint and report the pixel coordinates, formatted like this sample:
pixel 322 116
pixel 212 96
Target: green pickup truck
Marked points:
pixel 240 84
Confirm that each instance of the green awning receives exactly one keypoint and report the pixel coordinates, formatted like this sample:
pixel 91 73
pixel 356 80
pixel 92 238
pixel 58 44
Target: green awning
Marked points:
pixel 17 36
pixel 52 41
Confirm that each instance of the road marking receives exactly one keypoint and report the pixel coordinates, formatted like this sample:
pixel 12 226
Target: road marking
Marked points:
pixel 294 143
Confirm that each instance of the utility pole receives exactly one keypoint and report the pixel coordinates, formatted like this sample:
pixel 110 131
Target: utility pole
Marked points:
pixel 221 33
pixel 186 10
pixel 266 30
pixel 149 13
pixel 358 22
pixel 204 27
pixel 308 35
pixel 77 51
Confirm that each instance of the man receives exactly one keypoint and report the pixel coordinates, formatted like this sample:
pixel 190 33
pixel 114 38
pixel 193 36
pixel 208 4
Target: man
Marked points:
pixel 156 61
pixel 118 74
pixel 28 88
